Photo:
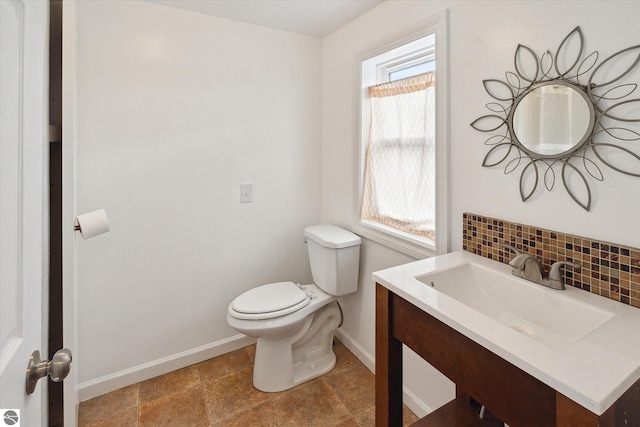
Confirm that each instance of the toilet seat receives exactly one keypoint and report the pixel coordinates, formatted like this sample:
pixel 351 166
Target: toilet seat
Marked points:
pixel 269 301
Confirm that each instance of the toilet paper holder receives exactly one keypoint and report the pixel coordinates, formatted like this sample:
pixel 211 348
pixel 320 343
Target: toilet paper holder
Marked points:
pixel 92 224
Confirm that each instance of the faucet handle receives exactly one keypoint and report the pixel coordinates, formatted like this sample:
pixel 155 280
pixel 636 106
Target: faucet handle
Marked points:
pixel 511 248
pixel 520 260
pixel 554 273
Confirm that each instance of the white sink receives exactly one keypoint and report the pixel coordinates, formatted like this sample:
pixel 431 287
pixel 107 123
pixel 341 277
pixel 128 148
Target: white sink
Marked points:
pixel 546 315
pixel 581 344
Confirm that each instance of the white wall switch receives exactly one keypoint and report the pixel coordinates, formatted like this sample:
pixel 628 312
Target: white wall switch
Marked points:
pixel 246 193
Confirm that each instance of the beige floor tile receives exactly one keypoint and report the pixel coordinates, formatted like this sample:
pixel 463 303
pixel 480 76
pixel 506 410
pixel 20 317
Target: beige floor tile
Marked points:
pixel 251 351
pixel 234 393
pixel 164 385
pixel 220 393
pixel 351 422
pixel 263 415
pixel 344 357
pixel 108 405
pixel 367 418
pixel 128 418
pixel 311 404
pixel 355 386
pixel 181 409
pixel 224 365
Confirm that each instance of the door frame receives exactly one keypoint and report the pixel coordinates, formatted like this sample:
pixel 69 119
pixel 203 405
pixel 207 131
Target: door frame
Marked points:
pixel 55 309
pixel 69 242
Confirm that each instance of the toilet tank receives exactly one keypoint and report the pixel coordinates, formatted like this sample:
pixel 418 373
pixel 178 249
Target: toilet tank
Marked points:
pixel 334 255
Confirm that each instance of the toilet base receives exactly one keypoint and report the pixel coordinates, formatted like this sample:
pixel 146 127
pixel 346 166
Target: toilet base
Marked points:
pixel 306 371
pixel 284 363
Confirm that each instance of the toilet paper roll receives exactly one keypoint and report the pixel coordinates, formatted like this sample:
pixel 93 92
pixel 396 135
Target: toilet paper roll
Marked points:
pixel 93 223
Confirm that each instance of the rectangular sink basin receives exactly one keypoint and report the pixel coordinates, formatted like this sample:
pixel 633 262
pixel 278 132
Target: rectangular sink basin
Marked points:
pixel 547 316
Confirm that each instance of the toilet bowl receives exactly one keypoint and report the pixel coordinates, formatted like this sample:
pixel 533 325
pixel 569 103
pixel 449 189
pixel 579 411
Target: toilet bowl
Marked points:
pixel 295 324
pixel 292 348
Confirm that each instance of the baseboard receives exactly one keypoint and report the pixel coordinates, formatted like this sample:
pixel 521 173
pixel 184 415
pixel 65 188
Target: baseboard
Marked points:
pixel 108 383
pixel 363 355
pixel 418 407
pixel 412 401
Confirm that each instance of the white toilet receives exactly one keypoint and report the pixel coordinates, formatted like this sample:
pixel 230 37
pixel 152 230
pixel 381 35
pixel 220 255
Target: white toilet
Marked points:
pixel 295 324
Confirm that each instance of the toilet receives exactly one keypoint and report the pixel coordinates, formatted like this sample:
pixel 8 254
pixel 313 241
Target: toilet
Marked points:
pixel 294 324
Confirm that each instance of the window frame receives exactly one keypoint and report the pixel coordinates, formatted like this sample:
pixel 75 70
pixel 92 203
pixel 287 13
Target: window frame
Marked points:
pixel 406 243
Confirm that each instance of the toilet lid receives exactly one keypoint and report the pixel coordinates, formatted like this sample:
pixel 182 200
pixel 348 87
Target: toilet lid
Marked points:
pixel 274 297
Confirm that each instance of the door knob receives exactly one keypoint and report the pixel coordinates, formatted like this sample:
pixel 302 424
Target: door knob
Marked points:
pixel 57 368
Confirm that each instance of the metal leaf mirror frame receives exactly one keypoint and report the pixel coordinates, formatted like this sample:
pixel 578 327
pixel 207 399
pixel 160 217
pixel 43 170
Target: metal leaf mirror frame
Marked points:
pixel 605 127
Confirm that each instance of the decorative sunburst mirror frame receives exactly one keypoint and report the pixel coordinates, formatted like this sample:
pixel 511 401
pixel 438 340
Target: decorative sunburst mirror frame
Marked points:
pixel 538 92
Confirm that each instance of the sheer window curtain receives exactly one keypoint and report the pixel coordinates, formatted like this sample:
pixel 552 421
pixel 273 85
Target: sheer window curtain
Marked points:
pixel 399 175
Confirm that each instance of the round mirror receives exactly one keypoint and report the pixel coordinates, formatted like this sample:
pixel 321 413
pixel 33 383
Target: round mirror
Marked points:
pixel 552 119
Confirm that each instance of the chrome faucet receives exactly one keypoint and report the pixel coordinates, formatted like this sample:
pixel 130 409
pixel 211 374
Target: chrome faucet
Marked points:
pixel 528 267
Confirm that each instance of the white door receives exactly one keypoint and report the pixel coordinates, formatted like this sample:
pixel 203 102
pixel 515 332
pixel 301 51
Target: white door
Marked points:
pixel 23 217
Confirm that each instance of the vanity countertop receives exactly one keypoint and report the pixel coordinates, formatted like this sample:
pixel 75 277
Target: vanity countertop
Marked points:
pixel 594 371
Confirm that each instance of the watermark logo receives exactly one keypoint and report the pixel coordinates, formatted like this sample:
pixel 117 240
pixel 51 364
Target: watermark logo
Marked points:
pixel 10 417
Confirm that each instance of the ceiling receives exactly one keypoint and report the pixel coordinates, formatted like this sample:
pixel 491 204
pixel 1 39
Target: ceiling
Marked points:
pixel 316 18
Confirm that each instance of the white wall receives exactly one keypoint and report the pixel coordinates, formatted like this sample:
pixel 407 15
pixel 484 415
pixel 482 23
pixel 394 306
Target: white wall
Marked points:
pixel 174 111
pixel 483 39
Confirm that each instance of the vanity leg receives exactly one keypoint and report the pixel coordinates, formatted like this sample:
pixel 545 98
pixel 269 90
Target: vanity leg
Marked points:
pixel 388 364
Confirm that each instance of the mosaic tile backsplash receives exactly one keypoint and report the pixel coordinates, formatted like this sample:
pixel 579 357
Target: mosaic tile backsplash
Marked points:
pixel 607 269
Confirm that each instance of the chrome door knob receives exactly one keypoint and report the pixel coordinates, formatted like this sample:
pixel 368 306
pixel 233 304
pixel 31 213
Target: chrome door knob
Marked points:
pixel 57 368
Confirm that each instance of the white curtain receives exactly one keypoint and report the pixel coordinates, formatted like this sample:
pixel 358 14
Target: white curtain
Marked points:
pixel 399 180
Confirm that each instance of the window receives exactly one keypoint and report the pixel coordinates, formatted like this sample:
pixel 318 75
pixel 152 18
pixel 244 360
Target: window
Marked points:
pixel 412 70
pixel 404 142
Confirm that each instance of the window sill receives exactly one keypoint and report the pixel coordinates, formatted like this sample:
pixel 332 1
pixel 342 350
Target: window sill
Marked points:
pixel 396 240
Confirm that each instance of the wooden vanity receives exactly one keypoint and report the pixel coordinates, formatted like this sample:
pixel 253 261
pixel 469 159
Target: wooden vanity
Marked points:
pixel 508 392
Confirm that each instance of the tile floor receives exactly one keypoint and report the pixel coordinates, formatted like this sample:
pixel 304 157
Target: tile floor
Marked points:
pixel 219 392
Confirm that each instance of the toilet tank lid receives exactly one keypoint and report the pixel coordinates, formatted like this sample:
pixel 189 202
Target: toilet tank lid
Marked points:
pixel 331 236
